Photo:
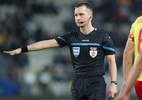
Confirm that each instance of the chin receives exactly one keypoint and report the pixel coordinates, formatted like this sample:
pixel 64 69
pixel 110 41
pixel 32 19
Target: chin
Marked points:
pixel 80 25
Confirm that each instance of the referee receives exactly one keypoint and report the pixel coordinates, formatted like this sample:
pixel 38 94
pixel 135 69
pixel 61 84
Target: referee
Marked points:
pixel 88 48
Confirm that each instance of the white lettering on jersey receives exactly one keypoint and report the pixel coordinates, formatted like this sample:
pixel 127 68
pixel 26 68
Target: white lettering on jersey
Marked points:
pixel 85 40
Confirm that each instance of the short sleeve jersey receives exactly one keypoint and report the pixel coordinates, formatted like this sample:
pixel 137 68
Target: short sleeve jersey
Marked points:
pixel 135 37
pixel 88 51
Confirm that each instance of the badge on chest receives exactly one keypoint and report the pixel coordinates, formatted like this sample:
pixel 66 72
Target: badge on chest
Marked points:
pixel 76 51
pixel 93 52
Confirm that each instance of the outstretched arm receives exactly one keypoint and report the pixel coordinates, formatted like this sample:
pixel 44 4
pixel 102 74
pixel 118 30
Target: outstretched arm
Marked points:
pixel 35 46
pixel 113 73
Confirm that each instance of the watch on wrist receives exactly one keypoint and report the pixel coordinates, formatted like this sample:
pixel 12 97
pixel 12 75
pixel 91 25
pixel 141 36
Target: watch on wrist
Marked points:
pixel 115 82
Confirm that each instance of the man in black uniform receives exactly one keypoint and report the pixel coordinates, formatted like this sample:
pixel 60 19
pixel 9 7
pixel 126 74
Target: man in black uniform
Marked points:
pixel 88 48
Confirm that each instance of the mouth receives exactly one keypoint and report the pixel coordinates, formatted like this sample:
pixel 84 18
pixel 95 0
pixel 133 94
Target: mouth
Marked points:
pixel 79 22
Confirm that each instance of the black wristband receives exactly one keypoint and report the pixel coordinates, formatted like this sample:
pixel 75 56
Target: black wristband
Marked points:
pixel 24 49
pixel 115 82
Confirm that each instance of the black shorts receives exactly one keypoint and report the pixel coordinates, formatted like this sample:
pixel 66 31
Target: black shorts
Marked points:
pixel 93 88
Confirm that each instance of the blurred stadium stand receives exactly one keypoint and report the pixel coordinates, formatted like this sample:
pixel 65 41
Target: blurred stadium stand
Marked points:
pixel 47 74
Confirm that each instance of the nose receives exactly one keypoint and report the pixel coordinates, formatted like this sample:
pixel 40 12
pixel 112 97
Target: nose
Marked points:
pixel 77 18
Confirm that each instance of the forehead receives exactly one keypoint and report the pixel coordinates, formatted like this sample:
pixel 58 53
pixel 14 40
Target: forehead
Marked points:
pixel 81 9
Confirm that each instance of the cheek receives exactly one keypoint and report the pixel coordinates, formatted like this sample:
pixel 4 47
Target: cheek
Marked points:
pixel 75 19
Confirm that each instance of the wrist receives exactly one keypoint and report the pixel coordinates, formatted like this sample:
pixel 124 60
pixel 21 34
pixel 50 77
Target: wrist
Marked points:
pixel 24 49
pixel 114 82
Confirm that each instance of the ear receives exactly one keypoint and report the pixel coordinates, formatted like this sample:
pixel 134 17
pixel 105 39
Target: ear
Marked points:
pixel 91 16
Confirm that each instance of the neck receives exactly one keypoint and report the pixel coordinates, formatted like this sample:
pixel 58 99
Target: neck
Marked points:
pixel 86 29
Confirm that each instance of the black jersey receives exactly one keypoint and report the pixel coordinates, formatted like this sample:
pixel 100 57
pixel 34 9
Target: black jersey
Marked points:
pixel 88 51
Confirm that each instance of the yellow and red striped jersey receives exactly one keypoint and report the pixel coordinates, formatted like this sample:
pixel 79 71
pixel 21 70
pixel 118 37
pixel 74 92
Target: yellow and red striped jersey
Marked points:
pixel 135 36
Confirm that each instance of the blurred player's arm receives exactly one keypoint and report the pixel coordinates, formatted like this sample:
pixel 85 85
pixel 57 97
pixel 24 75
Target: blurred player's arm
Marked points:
pixel 133 75
pixel 131 78
pixel 127 63
pixel 113 74
pixel 35 46
pixel 127 59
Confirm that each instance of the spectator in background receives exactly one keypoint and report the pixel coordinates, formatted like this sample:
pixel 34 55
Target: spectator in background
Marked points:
pixel 9 85
pixel 44 78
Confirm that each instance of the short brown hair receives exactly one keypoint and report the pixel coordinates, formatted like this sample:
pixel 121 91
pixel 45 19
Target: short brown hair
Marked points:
pixel 88 5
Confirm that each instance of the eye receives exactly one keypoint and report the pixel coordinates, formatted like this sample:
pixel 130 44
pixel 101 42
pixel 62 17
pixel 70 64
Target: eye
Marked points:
pixel 75 14
pixel 81 14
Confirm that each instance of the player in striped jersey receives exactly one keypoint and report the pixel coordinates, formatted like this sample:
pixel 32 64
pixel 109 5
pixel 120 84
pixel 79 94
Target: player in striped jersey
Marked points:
pixel 133 45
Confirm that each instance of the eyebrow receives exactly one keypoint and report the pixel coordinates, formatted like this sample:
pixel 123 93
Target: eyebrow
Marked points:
pixel 79 14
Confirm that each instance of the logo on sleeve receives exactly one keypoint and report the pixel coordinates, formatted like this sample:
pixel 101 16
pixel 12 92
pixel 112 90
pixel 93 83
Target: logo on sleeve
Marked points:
pixel 93 52
pixel 76 51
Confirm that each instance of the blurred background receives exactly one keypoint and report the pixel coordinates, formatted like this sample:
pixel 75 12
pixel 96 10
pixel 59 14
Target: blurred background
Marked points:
pixel 47 74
